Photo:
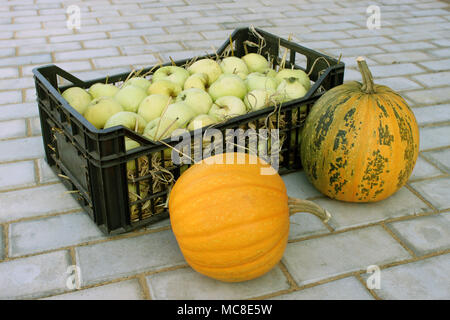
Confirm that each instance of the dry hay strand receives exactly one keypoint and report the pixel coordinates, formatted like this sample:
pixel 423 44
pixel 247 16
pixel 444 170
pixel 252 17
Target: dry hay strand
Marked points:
pixel 261 41
pixel 149 72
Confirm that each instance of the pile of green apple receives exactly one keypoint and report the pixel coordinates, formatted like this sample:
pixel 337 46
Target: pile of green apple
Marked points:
pixel 201 94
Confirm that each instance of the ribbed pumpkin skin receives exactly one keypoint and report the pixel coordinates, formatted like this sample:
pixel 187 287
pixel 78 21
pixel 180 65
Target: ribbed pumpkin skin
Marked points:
pixel 359 147
pixel 231 223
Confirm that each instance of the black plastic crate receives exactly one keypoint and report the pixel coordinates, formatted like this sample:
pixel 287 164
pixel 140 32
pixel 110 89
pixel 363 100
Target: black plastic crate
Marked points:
pixel 92 163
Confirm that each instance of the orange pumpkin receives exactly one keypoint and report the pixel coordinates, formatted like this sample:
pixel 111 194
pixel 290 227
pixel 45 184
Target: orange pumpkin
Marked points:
pixel 232 222
pixel 360 142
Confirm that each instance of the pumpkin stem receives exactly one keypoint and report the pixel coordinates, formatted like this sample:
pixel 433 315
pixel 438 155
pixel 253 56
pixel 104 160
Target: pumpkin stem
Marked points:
pixel 298 205
pixel 368 85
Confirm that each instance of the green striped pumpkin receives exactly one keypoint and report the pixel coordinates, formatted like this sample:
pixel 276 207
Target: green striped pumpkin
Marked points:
pixel 360 142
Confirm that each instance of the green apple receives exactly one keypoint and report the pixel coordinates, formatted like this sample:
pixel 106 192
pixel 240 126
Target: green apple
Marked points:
pixel 129 145
pixel 207 66
pixel 257 80
pixel 259 99
pixel 227 107
pixel 127 119
pixel 200 121
pixel 181 112
pixel 160 128
pixel 228 85
pixel 166 87
pixel 98 90
pixel 152 106
pixel 269 72
pixel 255 62
pixel 234 65
pixel 197 80
pixel 100 110
pixel 130 97
pixel 138 82
pixel 295 73
pixel 290 89
pixel 78 98
pixel 199 101
pixel 172 73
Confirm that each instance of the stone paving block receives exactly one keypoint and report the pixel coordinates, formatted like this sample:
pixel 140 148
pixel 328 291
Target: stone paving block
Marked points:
pixel 136 32
pixel 21 26
pixel 12 129
pixel 179 55
pixel 16 174
pixel 119 258
pixel 346 214
pixel 151 48
pixel 366 41
pixel 333 26
pixel 304 224
pixel 415 36
pixel 124 290
pixel 424 280
pixel 352 75
pixel 78 37
pixel 70 66
pixel 343 289
pixel 191 28
pixel 432 114
pixel 401 69
pixel 320 45
pixel 298 186
pixel 438 65
pixel 166 286
pixel 7 52
pixel 46 200
pixel 86 54
pixel 437 79
pixel 444 53
pixel 21 42
pixel 35 127
pixel 106 27
pixel 34 276
pixel 18 149
pixel 442 42
pixel 355 51
pixel 173 37
pixel 18 111
pixel 33 59
pixel 112 62
pixel 436 191
pixel 328 35
pixel 208 45
pixel 102 43
pixel 320 258
pixel 9 72
pixel 391 58
pixel 350 62
pixel 2 245
pixel 46 174
pixel 416 45
pixel 434 137
pixel 8 97
pixel 424 234
pixel 423 169
pixel 440 158
pixel 60 231
pixel 400 84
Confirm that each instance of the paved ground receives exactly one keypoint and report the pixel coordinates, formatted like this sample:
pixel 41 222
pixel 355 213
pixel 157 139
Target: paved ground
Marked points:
pixel 43 231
